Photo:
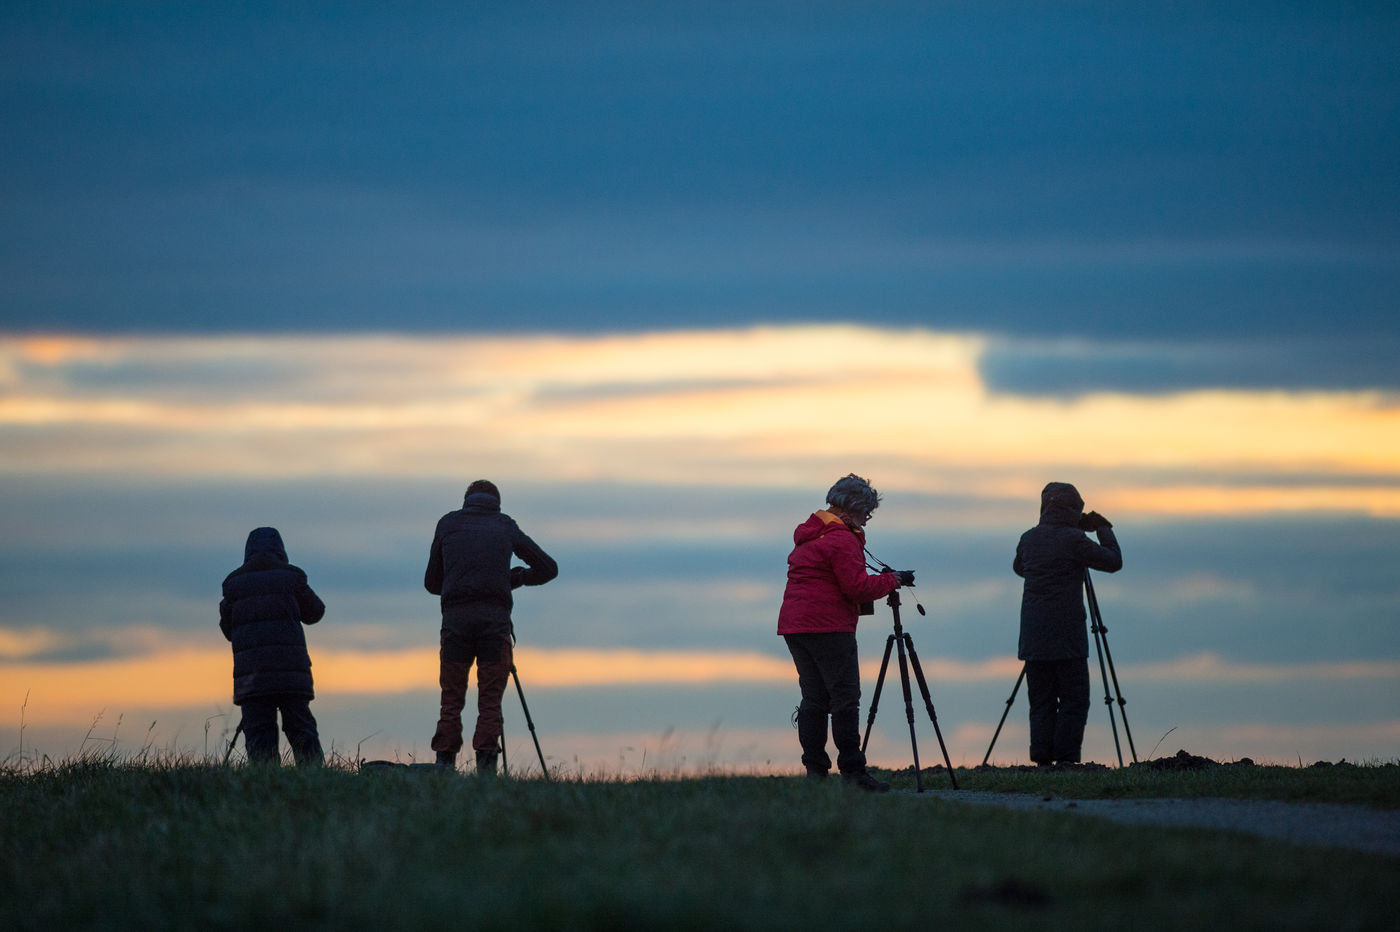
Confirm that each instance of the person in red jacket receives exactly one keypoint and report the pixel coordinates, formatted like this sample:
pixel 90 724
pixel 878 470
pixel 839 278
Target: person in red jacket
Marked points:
pixel 826 586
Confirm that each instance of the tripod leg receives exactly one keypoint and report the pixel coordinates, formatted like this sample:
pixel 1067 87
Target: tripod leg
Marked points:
pixel 909 712
pixel 1108 700
pixel 1108 654
pixel 1122 711
pixel 234 740
pixel 529 721
pixel 1006 712
pixel 875 697
pixel 928 704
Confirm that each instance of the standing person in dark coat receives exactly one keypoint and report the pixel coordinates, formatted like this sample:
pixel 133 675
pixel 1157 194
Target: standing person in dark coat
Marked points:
pixel 469 568
pixel 266 601
pixel 1052 558
pixel 826 585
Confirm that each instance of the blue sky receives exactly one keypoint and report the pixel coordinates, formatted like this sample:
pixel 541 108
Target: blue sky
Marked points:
pixel 665 271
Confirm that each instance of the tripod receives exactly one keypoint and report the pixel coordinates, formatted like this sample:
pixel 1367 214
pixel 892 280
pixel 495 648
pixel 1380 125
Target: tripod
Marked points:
pixel 528 721
pixel 1106 670
pixel 1101 645
pixel 234 740
pixel 903 641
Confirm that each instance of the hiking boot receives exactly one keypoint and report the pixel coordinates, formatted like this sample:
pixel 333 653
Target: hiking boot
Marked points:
pixel 862 780
pixel 447 760
pixel 816 773
pixel 486 762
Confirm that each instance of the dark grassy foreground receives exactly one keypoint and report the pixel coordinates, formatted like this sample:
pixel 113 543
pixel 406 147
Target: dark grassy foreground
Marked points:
pixel 103 844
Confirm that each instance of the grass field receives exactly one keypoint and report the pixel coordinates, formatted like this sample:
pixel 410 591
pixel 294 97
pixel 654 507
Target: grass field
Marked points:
pixel 150 844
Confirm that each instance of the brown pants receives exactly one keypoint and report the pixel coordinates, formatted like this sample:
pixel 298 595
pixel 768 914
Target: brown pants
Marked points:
pixel 493 657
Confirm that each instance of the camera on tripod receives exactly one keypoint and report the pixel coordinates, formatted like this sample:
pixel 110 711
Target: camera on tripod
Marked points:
pixel 906 580
pixel 902 644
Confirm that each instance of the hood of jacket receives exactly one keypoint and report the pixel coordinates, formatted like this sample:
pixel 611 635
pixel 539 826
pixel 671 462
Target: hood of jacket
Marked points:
pixel 481 503
pixel 1060 504
pixel 265 542
pixel 820 524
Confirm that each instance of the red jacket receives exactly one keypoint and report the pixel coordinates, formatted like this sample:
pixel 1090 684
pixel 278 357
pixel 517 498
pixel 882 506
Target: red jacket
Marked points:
pixel 827 580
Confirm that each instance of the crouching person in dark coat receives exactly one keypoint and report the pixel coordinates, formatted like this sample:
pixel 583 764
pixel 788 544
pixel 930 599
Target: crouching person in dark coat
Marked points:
pixel 266 601
pixel 469 569
pixel 1052 558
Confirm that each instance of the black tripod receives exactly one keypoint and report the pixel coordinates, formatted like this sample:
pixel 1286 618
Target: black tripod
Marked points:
pixel 901 639
pixel 234 740
pixel 1101 644
pixel 1106 670
pixel 528 721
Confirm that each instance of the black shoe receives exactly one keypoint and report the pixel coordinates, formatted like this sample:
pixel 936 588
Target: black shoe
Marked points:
pixel 862 780
pixel 486 762
pixel 447 760
pixel 816 773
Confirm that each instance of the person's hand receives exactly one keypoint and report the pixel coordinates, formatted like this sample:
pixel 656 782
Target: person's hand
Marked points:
pixel 1093 521
pixel 906 577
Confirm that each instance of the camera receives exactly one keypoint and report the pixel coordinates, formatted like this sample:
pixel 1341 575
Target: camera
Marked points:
pixel 1093 521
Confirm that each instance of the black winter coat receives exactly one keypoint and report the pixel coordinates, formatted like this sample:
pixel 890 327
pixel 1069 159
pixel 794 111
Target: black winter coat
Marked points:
pixel 266 602
pixel 469 564
pixel 1052 557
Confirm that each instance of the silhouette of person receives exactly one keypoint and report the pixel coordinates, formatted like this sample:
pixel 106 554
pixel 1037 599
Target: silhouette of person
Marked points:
pixel 826 585
pixel 469 569
pixel 266 601
pixel 1051 557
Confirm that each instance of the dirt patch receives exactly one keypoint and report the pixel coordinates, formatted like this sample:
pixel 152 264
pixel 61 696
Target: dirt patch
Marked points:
pixel 1180 761
pixel 1184 761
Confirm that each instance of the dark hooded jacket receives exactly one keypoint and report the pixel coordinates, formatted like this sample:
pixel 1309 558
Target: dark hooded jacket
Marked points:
pixel 1052 557
pixel 266 601
pixel 469 564
pixel 827 580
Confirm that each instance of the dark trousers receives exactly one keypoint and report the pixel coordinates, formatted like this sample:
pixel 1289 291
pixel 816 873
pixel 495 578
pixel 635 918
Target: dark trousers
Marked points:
pixel 1058 691
pixel 491 651
pixel 260 729
pixel 828 674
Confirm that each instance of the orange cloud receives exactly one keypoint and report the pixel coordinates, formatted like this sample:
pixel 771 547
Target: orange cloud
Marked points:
pixel 73 693
pixel 776 406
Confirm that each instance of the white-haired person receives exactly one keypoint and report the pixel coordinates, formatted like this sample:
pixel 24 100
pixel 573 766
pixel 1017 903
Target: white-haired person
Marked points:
pixel 827 583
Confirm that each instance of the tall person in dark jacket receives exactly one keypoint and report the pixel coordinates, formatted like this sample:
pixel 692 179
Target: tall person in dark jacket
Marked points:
pixel 826 586
pixel 266 601
pixel 1052 558
pixel 469 568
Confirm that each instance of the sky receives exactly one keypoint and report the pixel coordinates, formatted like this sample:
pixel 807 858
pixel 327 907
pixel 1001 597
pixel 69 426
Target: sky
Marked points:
pixel 664 272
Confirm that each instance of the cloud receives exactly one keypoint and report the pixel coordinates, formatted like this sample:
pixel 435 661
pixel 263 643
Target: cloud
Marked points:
pixel 1207 667
pixel 199 676
pixel 1070 368
pixel 775 407
pixel 1044 171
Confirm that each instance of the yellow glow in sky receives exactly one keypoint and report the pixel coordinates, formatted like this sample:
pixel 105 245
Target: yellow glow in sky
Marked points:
pixel 201 678
pixel 776 406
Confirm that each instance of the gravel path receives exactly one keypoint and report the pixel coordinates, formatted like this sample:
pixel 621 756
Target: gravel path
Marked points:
pixel 1333 825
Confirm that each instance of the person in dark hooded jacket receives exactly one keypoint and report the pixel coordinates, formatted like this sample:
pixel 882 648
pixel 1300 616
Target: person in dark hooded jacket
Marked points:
pixel 827 584
pixel 469 569
pixel 266 601
pixel 1052 558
